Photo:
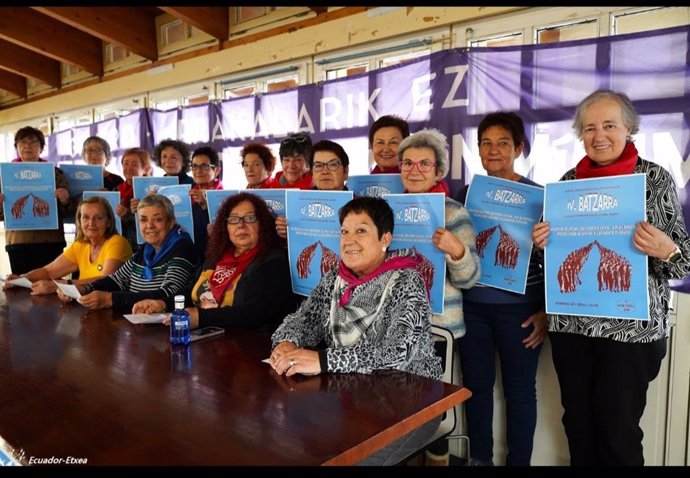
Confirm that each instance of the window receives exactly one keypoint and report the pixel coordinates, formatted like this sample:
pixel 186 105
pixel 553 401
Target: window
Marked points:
pixel 115 53
pixel 570 31
pixel 356 69
pixel 650 19
pixel 497 41
pixel 236 92
pixel 284 83
pixel 242 14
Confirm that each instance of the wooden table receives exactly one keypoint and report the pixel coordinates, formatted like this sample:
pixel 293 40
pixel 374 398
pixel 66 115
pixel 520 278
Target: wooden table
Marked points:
pixel 90 385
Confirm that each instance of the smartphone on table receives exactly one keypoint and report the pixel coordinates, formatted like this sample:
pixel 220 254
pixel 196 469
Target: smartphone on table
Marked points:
pixel 206 333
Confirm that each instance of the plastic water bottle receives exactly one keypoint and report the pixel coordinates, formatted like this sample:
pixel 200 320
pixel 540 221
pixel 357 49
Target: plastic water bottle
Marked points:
pixel 179 323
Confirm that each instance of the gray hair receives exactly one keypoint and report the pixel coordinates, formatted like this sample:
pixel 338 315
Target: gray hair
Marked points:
pixel 631 119
pixel 428 138
pixel 104 144
pixel 158 200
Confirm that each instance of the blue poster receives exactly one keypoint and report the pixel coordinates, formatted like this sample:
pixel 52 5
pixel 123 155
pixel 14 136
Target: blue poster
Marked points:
pixel 214 199
pixel 179 197
pixel 503 214
pixel 144 185
pixel 29 190
pixel 113 198
pixel 375 185
pixel 313 235
pixel 83 177
pixel 591 267
pixel 417 216
pixel 275 199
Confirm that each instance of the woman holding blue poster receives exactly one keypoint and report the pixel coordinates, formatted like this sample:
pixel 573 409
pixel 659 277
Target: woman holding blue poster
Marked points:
pixel 497 320
pixel 31 249
pixel 605 365
pixel 423 159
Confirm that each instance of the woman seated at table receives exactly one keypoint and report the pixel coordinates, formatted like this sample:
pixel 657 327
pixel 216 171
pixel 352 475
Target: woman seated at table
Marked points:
pixel 98 250
pixel 245 280
pixel 158 270
pixel 372 312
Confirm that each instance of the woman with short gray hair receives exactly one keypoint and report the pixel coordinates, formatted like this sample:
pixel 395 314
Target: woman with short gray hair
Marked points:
pixel 158 270
pixel 96 152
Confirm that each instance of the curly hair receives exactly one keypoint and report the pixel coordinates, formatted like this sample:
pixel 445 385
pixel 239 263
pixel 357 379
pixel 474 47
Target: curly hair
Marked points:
pixel 263 152
pixel 219 240
pixel 181 148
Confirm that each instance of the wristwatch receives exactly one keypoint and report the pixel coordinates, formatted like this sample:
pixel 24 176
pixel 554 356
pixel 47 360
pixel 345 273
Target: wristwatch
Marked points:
pixel 674 256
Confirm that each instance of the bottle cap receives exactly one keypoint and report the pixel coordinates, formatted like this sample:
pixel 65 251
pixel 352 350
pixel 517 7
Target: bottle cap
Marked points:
pixel 179 298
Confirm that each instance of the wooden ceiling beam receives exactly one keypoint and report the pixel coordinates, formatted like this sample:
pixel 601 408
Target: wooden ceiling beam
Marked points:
pixel 13 83
pixel 212 20
pixel 128 27
pixel 319 10
pixel 29 64
pixel 46 36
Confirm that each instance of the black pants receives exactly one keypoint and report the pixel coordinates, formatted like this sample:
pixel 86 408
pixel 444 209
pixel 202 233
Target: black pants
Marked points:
pixel 27 257
pixel 604 393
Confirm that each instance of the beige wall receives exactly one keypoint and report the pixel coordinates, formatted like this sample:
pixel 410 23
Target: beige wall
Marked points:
pixel 352 31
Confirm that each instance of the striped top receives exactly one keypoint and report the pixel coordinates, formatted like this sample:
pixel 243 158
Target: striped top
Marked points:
pixel 170 276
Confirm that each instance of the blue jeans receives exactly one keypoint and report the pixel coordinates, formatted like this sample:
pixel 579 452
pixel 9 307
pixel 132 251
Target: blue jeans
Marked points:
pixel 492 327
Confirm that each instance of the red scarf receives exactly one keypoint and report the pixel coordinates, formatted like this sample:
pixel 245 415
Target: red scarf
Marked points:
pixel 267 183
pixel 625 164
pixel 215 184
pixel 227 270
pixel 393 170
pixel 439 187
pixel 126 193
pixel 303 183
pixel 388 265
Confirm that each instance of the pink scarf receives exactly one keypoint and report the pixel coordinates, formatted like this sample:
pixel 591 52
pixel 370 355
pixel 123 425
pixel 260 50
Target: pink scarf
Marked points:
pixel 388 265
pixel 228 269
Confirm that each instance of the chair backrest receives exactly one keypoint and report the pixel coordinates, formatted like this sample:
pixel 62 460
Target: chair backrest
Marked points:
pixel 448 423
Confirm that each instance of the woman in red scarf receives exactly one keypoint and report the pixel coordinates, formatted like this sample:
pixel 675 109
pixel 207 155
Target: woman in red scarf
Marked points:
pixel 604 365
pixel 245 280
pixel 385 136
pixel 258 164
pixel 135 162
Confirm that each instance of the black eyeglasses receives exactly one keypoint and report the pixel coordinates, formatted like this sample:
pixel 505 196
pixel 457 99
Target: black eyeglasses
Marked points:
pixel 333 165
pixel 248 219
pixel 294 139
pixel 203 167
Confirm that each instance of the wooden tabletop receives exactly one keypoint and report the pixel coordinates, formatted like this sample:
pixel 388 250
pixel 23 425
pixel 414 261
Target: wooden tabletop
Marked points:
pixel 91 385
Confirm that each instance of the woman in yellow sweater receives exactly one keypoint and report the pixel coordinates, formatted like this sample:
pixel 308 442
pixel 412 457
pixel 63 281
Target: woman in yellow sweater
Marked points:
pixel 97 249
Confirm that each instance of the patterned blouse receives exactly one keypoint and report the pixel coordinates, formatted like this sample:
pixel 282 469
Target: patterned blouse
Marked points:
pixel 399 338
pixel 664 212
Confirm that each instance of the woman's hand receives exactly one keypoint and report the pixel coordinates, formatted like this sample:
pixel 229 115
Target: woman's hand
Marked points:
pixel 540 232
pixel 97 299
pixel 43 287
pixel 62 296
pixel 447 242
pixel 62 195
pixel 133 205
pixel 541 324
pixel 121 211
pixel 295 361
pixel 281 226
pixel 652 241
pixel 7 285
pixel 148 306
pixel 198 197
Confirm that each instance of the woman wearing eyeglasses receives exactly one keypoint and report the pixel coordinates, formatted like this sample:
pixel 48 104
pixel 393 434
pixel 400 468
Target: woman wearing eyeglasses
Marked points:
pixel 245 280
pixel 96 151
pixel 31 249
pixel 423 159
pixel 205 169
pixel 258 164
pixel 329 167
pixel 294 152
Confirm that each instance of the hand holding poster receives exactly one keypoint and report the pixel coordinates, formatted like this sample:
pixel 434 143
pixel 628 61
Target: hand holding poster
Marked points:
pixel 503 214
pixel 591 267
pixel 29 196
pixel 313 235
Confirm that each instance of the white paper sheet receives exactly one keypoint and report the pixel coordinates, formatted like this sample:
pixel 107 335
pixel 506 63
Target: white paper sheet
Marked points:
pixel 69 290
pixel 20 281
pixel 146 318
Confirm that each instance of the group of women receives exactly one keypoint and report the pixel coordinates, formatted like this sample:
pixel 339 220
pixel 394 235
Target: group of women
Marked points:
pixel 372 311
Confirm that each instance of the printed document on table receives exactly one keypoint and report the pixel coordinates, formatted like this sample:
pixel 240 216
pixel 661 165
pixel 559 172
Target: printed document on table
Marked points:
pixel 146 318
